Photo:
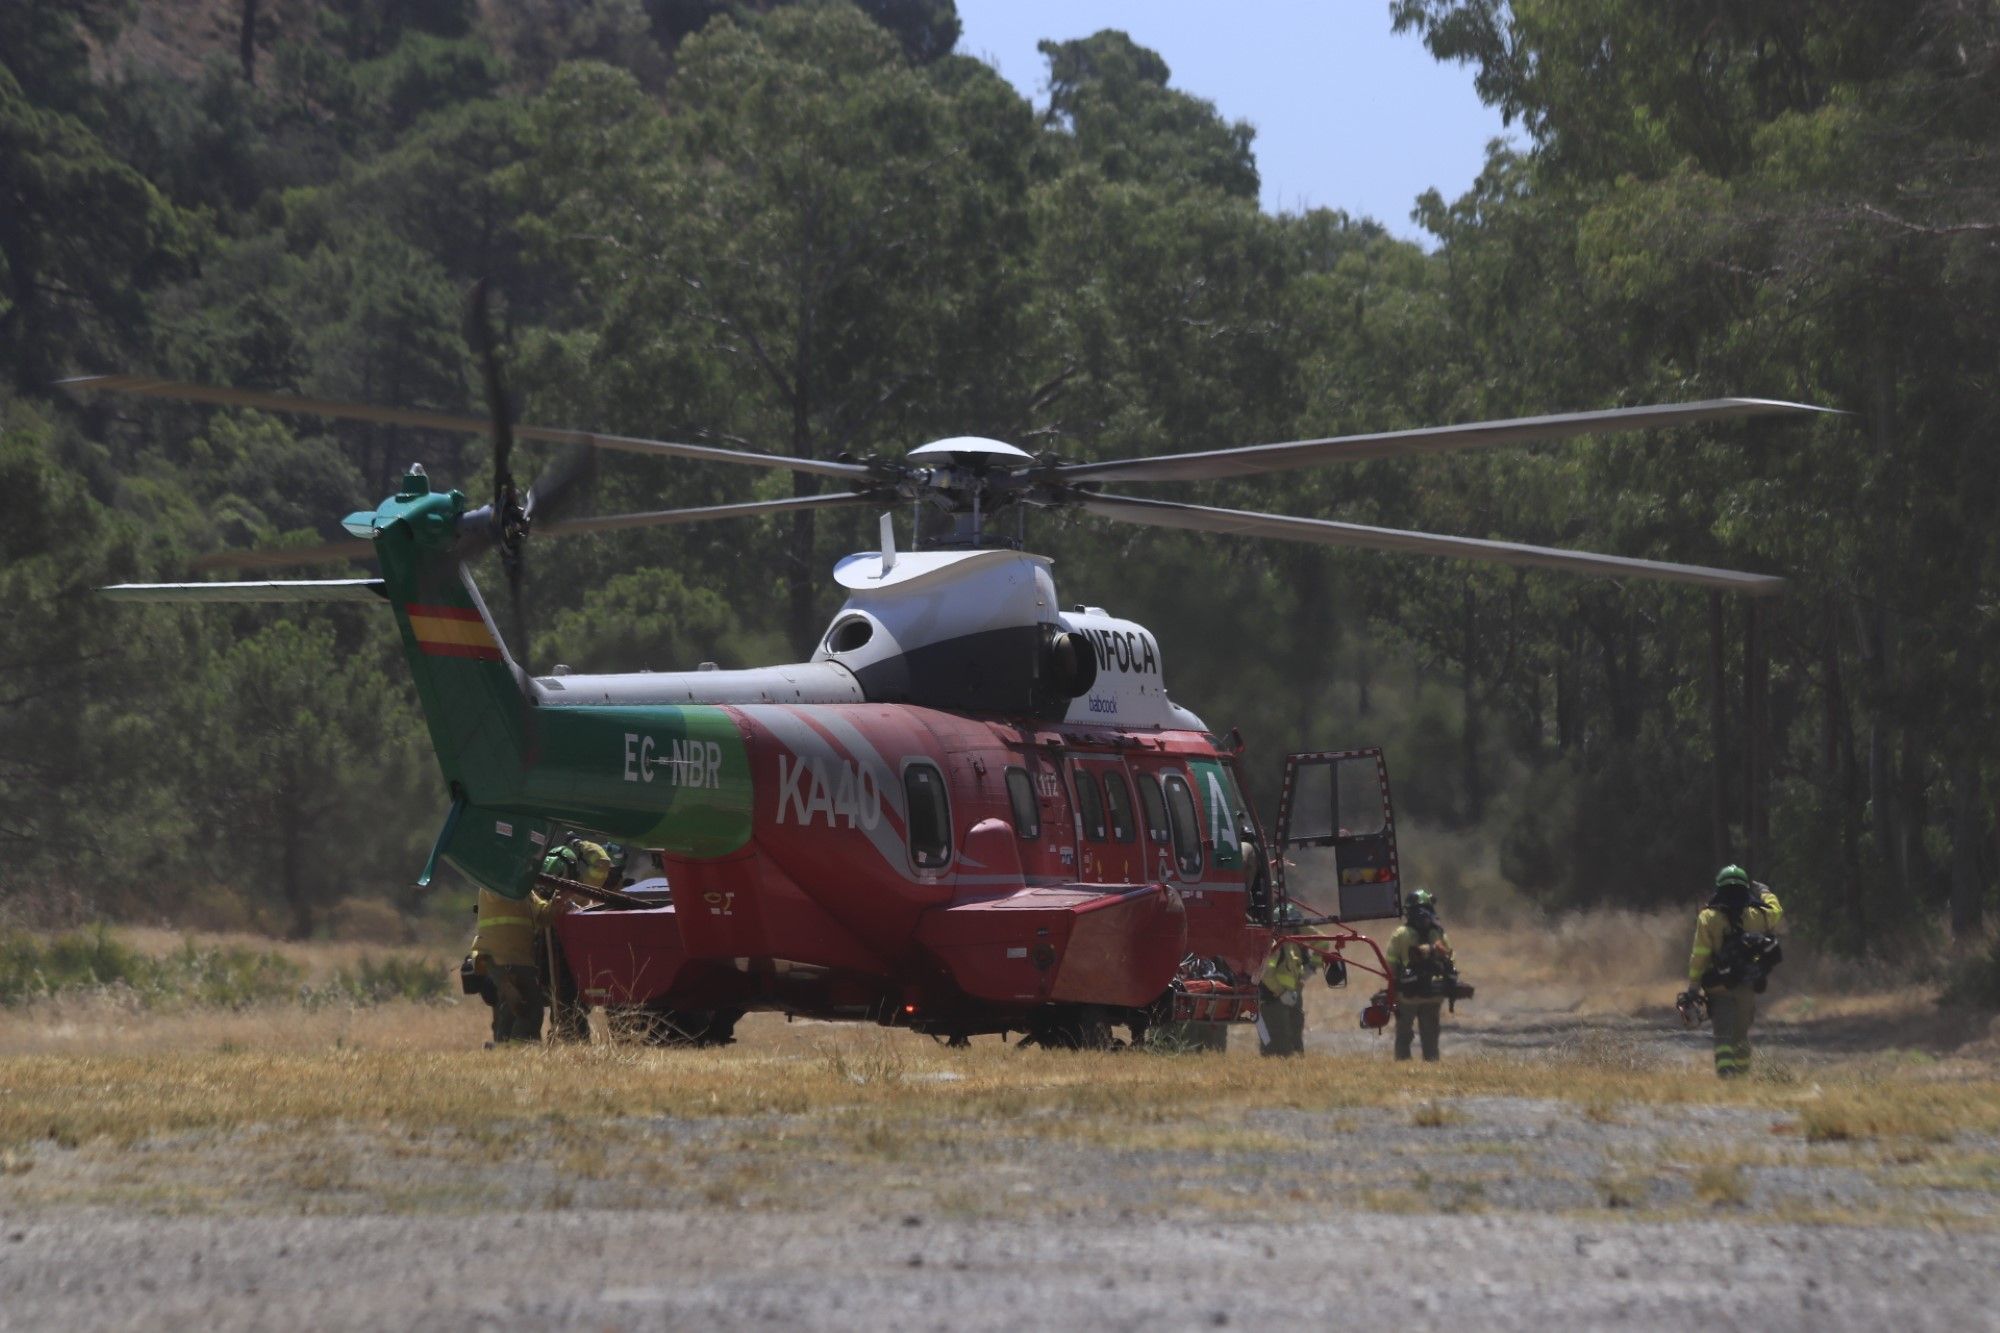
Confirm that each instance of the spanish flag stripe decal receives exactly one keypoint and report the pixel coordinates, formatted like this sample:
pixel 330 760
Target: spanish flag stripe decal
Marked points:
pixel 452 631
pixel 443 612
pixel 483 654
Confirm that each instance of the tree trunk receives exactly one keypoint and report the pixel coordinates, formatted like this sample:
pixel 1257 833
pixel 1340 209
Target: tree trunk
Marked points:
pixel 1566 689
pixel 1315 644
pixel 1883 817
pixel 1853 892
pixel 292 868
pixel 1475 796
pixel 1919 875
pixel 1968 884
pixel 1718 727
pixel 1621 677
pixel 801 584
pixel 801 576
pixel 1756 739
pixel 246 42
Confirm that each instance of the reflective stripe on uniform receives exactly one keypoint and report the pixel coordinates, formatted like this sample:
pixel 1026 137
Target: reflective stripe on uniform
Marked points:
pixel 504 921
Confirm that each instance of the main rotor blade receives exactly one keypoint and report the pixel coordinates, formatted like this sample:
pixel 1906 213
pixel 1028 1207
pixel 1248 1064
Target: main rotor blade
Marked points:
pixel 1253 460
pixel 400 416
pixel 1327 532
pixel 372 591
pixel 570 527
pixel 277 557
pixel 476 542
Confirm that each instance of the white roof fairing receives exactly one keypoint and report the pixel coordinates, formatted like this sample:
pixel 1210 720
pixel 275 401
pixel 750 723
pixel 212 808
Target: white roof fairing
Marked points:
pixel 862 572
pixel 961 445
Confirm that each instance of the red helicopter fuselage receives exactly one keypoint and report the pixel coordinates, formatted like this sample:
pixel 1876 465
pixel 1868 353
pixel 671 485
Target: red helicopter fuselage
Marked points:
pixel 950 873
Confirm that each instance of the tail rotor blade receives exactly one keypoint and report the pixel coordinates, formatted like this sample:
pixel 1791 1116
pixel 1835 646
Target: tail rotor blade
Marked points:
pixel 480 329
pixel 510 514
pixel 566 477
pixel 517 597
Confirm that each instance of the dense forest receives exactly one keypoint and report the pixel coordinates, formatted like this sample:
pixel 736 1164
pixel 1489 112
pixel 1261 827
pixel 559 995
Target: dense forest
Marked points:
pixel 816 227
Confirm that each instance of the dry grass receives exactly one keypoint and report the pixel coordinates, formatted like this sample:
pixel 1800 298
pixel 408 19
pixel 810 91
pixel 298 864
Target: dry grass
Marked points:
pixel 1721 1185
pixel 1872 1110
pixel 179 1109
pixel 373 1073
pixel 1435 1115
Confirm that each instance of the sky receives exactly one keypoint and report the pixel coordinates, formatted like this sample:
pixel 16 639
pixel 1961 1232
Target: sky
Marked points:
pixel 1348 114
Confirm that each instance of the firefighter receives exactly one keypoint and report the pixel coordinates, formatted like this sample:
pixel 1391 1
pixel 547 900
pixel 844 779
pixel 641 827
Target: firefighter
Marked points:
pixel 587 863
pixel 1281 1011
pixel 1735 948
pixel 1419 956
pixel 503 957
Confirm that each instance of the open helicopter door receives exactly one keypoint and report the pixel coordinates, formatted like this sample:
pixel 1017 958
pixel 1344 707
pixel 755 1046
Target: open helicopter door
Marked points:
pixel 1339 799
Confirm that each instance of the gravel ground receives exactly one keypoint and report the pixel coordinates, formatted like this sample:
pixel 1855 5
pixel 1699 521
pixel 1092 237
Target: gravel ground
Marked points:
pixel 683 1269
pixel 1492 1212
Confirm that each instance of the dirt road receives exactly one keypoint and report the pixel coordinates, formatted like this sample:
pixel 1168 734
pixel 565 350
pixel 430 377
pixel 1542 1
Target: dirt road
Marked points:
pixel 707 1268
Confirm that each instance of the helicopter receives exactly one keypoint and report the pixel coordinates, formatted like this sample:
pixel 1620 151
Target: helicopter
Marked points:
pixel 971 811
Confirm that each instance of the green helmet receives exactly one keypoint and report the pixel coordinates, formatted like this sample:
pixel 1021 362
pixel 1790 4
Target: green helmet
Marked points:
pixel 1424 898
pixel 1732 875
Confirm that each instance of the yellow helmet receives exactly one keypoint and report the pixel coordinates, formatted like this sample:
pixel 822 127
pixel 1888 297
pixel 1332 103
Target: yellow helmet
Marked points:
pixel 596 863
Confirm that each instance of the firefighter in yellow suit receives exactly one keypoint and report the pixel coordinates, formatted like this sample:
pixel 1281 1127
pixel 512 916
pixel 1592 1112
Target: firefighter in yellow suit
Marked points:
pixel 569 1021
pixel 1418 953
pixel 509 951
pixel 1738 909
pixel 1281 1005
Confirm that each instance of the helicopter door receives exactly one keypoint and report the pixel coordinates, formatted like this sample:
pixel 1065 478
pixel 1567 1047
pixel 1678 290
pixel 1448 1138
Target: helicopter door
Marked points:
pixel 1111 852
pixel 1339 799
pixel 1052 851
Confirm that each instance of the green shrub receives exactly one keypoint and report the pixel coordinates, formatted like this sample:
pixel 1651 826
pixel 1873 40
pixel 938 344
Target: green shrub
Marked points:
pixel 97 960
pixel 392 978
pixel 1974 981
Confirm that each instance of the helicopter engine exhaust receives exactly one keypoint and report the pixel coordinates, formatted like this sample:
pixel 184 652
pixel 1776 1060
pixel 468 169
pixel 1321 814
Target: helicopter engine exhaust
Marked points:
pixel 1069 664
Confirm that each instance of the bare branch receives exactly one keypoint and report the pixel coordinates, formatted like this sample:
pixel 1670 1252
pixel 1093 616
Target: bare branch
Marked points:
pixel 1922 229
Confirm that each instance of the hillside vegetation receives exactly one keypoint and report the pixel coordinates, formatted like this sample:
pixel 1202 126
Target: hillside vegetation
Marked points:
pixel 816 228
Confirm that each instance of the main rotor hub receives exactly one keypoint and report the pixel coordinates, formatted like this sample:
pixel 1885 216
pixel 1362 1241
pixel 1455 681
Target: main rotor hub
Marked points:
pixel 960 484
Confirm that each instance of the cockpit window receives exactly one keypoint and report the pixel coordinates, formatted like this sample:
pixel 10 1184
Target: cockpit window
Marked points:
pixel 1187 828
pixel 1155 806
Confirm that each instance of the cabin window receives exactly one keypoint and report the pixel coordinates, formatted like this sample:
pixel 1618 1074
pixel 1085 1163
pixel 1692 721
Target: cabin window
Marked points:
pixel 1187 832
pixel 1021 795
pixel 1089 804
pixel 1156 807
pixel 930 816
pixel 1118 806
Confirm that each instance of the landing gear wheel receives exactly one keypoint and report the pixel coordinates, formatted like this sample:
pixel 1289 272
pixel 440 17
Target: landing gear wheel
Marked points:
pixel 1085 1027
pixel 659 1026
